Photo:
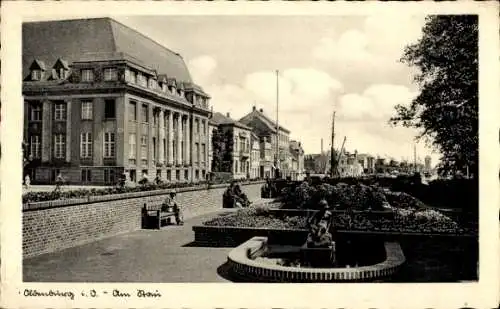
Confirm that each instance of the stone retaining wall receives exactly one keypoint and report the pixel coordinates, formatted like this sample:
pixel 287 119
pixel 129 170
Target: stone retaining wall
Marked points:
pixel 56 225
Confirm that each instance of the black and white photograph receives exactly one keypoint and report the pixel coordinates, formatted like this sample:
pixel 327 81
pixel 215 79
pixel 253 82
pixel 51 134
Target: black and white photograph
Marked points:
pixel 338 150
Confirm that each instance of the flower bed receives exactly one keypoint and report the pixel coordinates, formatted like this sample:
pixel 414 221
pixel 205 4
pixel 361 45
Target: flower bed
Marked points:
pixel 404 221
pixel 33 197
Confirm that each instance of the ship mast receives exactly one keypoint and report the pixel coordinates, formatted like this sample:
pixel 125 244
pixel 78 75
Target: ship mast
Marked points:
pixel 332 152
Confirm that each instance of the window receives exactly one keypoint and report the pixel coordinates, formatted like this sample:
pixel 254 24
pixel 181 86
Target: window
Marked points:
pixel 144 147
pixel 86 145
pixel 62 73
pixel 87 110
pixel 235 166
pixel 144 113
pixel 133 175
pixel 197 127
pixel 132 111
pixel 197 174
pixel 141 80
pixel 36 75
pixel 87 75
pixel 60 111
pixel 196 152
pixel 110 109
pixel 36 113
pixel 183 155
pixel 130 76
pixel 164 149
pixel 169 175
pixel 203 174
pixel 154 148
pixel 203 128
pixel 186 175
pixel 110 74
pixel 178 175
pixel 109 145
pixel 203 152
pixel 59 146
pixel 35 146
pixel 152 83
pixel 86 175
pixel 132 154
pixel 109 176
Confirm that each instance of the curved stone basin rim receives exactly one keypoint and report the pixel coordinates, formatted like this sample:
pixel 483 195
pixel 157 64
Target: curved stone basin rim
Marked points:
pixel 238 256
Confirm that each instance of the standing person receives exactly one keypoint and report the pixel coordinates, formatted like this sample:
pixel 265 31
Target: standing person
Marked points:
pixel 179 219
pixel 240 196
pixel 59 182
pixel 27 182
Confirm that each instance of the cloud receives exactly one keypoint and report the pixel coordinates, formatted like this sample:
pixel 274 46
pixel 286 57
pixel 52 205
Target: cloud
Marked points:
pixel 375 47
pixel 201 68
pixel 375 103
pixel 350 46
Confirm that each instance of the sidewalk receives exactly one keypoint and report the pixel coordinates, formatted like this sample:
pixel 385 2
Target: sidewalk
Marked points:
pixel 141 256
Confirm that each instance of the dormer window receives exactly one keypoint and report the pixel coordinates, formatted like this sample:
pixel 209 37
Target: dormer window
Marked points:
pixel 173 90
pixel 37 69
pixel 60 69
pixel 141 80
pixel 164 87
pixel 110 74
pixel 130 76
pixel 180 92
pixel 36 74
pixel 152 83
pixel 87 75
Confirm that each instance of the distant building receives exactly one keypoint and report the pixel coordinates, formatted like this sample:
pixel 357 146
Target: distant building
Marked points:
pixel 239 153
pixel 254 156
pixel 265 128
pixel 101 100
pixel 297 158
pixel 428 166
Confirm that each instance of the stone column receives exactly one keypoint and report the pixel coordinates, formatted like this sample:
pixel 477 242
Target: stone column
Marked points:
pixel 187 143
pixel 68 131
pixel 46 145
pixel 179 138
pixel 151 127
pixel 170 147
pixel 161 136
pixel 138 136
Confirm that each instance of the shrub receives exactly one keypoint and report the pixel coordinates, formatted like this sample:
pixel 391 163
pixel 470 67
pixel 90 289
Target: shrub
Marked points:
pixel 33 197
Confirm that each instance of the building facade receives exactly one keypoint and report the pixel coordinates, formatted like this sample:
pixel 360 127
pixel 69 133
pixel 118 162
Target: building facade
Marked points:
pixel 279 139
pixel 237 138
pixel 254 156
pixel 101 100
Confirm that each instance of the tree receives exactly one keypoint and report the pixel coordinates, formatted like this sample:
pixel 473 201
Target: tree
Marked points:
pixel 446 109
pixel 217 148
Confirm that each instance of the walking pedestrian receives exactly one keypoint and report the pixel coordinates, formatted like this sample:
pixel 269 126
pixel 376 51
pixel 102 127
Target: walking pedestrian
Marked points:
pixel 27 182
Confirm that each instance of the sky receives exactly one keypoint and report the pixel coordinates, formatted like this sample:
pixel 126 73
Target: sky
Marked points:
pixel 326 63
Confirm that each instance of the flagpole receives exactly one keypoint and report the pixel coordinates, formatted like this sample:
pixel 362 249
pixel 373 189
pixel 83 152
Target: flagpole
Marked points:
pixel 277 124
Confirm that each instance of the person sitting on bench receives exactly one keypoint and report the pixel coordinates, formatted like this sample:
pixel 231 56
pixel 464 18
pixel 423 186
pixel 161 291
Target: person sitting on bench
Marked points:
pixel 239 196
pixel 170 204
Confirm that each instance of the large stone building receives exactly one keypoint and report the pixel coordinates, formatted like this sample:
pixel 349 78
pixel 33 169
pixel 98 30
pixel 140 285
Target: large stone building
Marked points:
pixel 101 99
pixel 239 137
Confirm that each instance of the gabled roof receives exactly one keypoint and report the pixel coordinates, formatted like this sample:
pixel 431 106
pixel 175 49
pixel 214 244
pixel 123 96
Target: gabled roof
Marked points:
pixel 78 39
pixel 265 119
pixel 61 63
pixel 219 119
pixel 37 65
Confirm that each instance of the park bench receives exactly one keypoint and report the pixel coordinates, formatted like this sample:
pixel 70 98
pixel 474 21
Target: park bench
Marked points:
pixel 153 214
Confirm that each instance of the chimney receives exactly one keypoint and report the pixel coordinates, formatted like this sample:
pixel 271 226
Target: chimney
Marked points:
pixel 254 108
pixel 261 110
pixel 228 115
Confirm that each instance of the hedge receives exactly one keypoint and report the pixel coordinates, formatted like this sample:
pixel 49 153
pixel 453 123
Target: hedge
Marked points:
pixel 33 197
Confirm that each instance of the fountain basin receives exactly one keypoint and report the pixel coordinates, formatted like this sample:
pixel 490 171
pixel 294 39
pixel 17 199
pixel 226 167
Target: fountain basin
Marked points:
pixel 243 264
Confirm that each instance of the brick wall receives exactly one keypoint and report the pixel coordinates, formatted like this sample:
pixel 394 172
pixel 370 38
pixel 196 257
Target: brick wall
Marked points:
pixel 59 227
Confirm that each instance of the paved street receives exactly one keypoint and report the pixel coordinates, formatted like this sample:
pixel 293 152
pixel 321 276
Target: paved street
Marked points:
pixel 140 256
